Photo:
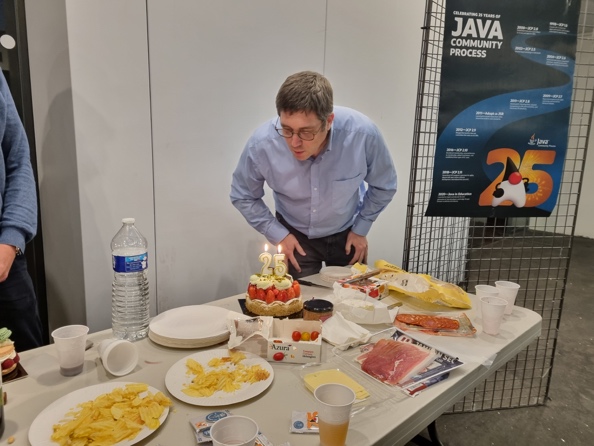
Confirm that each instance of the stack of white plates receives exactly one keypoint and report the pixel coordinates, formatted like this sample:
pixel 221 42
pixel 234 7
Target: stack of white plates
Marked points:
pixel 334 273
pixel 193 326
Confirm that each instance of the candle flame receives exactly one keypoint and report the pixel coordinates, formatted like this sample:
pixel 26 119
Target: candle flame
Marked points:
pixel 266 247
pixel 278 248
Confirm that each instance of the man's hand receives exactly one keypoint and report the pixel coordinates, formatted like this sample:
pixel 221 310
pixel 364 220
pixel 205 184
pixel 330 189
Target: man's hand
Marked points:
pixel 7 255
pixel 288 245
pixel 359 242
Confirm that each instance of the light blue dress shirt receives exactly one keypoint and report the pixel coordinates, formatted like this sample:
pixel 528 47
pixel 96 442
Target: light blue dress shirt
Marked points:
pixel 347 184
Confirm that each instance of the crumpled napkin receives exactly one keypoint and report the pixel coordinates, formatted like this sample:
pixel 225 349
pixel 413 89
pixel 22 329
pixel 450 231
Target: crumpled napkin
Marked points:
pixel 343 333
pixel 357 307
pixel 242 329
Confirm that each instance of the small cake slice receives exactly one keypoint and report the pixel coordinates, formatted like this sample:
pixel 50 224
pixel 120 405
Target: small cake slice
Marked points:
pixel 9 358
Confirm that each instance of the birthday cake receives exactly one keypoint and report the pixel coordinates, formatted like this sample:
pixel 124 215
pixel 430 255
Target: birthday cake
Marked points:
pixel 9 358
pixel 273 295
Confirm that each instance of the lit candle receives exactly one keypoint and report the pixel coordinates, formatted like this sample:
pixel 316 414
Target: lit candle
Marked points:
pixel 266 259
pixel 280 268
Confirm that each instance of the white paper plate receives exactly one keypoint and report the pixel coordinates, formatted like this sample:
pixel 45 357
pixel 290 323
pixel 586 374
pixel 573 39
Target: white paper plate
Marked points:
pixel 177 378
pixel 192 326
pixel 187 343
pixel 334 273
pixel 41 429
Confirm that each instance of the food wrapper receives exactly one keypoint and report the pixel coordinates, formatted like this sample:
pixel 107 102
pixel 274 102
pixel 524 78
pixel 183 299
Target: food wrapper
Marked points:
pixel 423 286
pixel 304 422
pixel 343 333
pixel 465 329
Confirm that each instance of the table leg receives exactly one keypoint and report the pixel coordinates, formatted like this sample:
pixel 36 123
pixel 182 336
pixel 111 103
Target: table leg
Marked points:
pixel 433 437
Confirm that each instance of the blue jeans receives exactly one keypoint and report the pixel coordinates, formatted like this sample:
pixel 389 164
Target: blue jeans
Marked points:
pixel 18 307
pixel 329 249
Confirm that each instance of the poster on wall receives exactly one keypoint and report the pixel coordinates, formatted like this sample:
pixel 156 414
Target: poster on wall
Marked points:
pixel 506 86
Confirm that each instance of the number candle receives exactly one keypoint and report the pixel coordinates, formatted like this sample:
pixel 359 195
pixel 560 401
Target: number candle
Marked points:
pixel 266 259
pixel 280 268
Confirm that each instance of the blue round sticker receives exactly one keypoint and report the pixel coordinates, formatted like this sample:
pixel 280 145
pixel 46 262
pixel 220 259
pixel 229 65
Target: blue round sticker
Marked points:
pixel 215 416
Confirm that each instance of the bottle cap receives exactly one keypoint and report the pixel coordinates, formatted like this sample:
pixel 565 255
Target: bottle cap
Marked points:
pixel 128 220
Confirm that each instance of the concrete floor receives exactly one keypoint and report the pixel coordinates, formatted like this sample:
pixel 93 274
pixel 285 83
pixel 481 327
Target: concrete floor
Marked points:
pixel 568 416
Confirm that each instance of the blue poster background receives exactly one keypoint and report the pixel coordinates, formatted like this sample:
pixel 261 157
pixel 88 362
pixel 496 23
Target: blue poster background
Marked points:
pixel 506 86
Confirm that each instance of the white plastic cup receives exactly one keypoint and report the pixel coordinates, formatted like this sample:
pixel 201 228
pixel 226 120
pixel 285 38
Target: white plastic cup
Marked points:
pixel 70 342
pixel 509 291
pixel 334 413
pixel 119 357
pixel 486 290
pixel 492 309
pixel 234 430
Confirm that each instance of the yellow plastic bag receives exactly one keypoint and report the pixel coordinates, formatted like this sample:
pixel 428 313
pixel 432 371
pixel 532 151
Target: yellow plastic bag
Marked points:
pixel 423 286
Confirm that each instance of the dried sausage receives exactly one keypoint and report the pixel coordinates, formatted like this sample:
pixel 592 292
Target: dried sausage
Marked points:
pixel 428 321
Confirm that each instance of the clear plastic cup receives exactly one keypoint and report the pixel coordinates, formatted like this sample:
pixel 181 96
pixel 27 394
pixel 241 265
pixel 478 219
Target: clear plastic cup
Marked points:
pixel 119 357
pixel 234 430
pixel 492 309
pixel 334 413
pixel 508 291
pixel 70 342
pixel 486 290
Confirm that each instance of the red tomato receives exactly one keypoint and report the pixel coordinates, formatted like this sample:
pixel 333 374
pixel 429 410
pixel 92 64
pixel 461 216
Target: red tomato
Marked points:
pixel 291 293
pixel 260 294
pixel 314 335
pixel 296 336
pixel 269 296
pixel 278 356
pixel 252 292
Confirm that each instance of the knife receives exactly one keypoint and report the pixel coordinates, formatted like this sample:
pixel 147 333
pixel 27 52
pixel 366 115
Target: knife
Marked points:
pixel 308 283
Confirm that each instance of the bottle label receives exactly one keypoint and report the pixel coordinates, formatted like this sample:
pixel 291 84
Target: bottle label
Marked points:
pixel 130 264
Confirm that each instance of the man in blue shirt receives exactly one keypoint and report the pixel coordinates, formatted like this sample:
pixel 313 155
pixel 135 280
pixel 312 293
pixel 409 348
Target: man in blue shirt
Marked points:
pixel 18 225
pixel 330 172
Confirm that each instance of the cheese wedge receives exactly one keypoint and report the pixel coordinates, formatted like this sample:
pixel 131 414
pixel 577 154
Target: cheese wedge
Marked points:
pixel 313 380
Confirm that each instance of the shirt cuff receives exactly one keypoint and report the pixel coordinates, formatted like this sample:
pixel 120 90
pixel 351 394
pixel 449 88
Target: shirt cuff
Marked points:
pixel 361 227
pixel 276 233
pixel 13 237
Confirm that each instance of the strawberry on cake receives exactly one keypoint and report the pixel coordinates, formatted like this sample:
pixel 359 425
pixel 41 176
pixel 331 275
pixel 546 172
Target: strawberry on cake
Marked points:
pixel 272 295
pixel 9 358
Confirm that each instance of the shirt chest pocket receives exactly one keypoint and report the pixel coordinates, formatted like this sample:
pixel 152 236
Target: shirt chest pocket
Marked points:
pixel 345 194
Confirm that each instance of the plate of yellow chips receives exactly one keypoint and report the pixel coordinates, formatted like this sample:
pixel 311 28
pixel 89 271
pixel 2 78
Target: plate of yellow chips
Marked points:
pixel 114 413
pixel 218 377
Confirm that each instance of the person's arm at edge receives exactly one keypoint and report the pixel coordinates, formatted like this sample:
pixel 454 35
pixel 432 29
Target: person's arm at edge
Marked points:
pixel 18 219
pixel 247 190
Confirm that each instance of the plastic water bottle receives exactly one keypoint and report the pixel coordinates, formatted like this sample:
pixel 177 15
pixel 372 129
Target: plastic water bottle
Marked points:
pixel 130 290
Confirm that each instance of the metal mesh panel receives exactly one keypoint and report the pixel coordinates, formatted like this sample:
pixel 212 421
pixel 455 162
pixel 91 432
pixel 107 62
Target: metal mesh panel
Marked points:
pixel 533 252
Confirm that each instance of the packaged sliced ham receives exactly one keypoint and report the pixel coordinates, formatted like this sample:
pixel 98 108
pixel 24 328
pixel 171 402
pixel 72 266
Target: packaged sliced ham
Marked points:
pixel 393 361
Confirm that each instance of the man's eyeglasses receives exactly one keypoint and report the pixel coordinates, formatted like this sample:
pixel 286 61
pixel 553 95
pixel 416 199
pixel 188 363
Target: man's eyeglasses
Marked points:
pixel 304 135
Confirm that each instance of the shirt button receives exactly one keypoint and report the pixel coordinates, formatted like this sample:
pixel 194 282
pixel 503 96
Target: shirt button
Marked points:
pixel 314 211
pixel 315 188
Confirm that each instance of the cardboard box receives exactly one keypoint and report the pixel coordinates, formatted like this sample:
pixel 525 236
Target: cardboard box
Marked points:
pixel 299 352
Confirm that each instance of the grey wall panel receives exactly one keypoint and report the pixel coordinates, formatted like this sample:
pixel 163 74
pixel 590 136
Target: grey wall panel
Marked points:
pixel 372 59
pixel 89 74
pixel 214 77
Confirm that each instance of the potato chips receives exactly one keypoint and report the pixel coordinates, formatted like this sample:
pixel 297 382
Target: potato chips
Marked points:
pixel 112 417
pixel 227 374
